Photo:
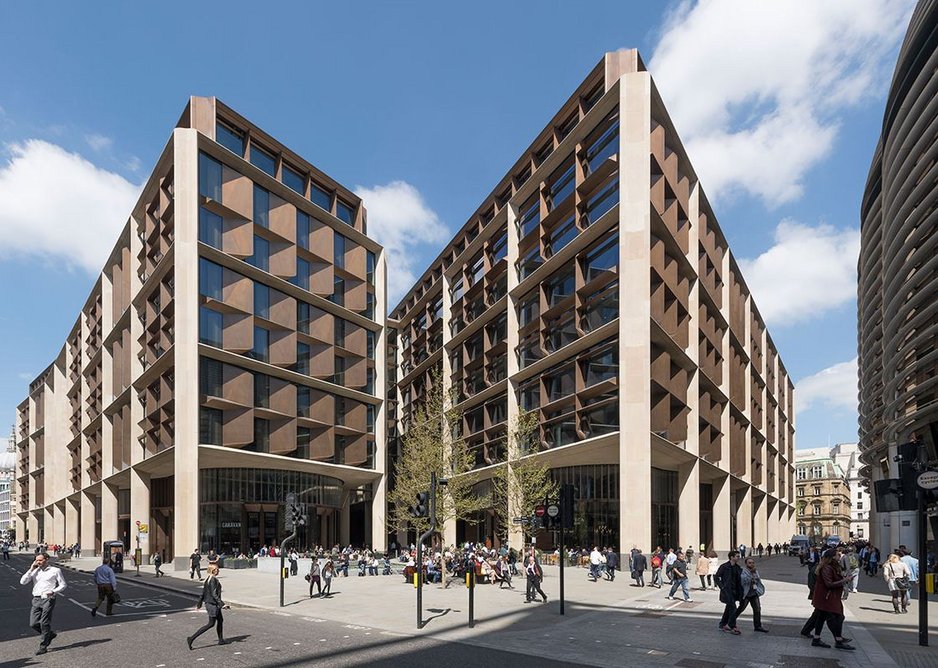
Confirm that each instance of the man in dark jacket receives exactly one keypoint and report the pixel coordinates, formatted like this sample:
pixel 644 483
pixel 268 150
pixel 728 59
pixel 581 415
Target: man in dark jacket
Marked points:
pixel 195 564
pixel 637 567
pixel 728 579
pixel 612 563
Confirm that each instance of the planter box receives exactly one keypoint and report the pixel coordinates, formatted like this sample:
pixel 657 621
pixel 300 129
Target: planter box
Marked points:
pixel 237 563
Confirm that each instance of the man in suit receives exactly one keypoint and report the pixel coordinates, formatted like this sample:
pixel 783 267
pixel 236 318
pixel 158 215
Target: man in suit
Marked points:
pixel 195 564
pixel 637 567
pixel 729 580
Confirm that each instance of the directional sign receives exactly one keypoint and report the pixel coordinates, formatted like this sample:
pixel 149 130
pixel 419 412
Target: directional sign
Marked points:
pixel 553 510
pixel 520 520
pixel 928 480
pixel 540 510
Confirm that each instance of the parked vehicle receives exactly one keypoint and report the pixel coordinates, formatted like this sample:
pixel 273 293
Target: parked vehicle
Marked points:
pixel 797 544
pixel 833 541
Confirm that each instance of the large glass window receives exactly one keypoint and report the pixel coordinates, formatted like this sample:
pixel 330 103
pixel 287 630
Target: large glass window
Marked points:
pixel 263 160
pixel 370 344
pixel 601 366
pixel 294 180
pixel 302 317
pixel 529 262
pixel 302 401
pixel 209 177
pixel 302 230
pixel 370 305
pixel 561 187
pixel 339 250
pixel 302 358
pixel 211 324
pixel 344 212
pixel 499 247
pixel 320 197
pixel 600 307
pixel 559 383
pixel 261 435
pixel 530 216
pixel 261 390
pixel 528 309
pixel 210 420
pixel 559 287
pixel 456 290
pixel 211 279
pixel 529 395
pixel 602 200
pixel 664 508
pixel 301 280
pixel 370 267
pixel 338 291
pixel 210 228
pixel 261 206
pixel 260 258
pixel 211 377
pixel 261 301
pixel 600 260
pixel 230 138
pixel 604 146
pixel 560 331
pixel 261 349
pixel 341 325
pixel 562 234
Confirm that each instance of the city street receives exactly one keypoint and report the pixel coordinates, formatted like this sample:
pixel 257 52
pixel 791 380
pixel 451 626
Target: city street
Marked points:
pixel 371 620
pixel 149 628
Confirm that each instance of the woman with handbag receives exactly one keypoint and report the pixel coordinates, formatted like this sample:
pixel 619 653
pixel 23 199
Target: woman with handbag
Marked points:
pixel 828 600
pixel 753 590
pixel 314 577
pixel 897 576
pixel 211 597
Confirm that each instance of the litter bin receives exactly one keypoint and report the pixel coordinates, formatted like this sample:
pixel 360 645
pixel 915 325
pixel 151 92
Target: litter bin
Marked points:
pixel 114 552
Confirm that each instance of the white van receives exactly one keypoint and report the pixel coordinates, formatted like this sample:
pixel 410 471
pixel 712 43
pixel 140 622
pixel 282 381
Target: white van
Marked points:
pixel 797 543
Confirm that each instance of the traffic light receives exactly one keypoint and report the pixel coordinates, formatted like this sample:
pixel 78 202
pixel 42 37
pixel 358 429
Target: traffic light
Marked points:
pixel 422 507
pixel 566 506
pixel 297 516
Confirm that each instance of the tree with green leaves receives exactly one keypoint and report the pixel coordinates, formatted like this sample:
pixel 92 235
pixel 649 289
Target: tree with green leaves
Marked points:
pixel 524 481
pixel 428 446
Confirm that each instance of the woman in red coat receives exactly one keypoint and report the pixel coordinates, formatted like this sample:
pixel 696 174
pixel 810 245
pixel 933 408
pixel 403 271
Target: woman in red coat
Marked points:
pixel 828 600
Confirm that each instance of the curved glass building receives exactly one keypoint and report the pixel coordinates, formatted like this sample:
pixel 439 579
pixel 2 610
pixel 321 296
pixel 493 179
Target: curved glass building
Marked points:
pixel 898 273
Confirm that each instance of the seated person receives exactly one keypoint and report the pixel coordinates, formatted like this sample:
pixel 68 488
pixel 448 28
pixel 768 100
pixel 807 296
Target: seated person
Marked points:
pixel 387 565
pixel 372 566
pixel 409 571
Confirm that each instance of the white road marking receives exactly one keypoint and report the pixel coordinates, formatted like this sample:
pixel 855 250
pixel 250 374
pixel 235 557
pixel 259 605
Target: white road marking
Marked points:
pixel 268 648
pixel 296 643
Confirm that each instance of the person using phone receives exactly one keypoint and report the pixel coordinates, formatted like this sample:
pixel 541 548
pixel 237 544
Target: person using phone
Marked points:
pixel 47 581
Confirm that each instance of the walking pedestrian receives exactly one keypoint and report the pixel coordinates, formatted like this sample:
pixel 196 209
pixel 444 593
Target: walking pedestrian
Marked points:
pixel 712 571
pixel 898 578
pixel 752 591
pixel 314 577
pixel 47 581
pixel 679 577
pixel 328 572
pixel 158 562
pixel 637 567
pixel 703 568
pixel 534 574
pixel 906 557
pixel 211 597
pixel 828 600
pixel 729 580
pixel 596 560
pixel 760 548
pixel 612 563
pixel 294 562
pixel 195 564
pixel 656 569
pixel 669 563
pixel 6 551
pixel 106 582
pixel 872 562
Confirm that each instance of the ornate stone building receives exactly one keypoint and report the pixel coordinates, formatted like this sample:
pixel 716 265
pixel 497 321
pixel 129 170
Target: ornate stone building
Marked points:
pixel 823 496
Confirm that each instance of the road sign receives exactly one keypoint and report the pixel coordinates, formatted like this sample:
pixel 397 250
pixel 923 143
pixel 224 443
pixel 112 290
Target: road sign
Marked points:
pixel 928 480
pixel 519 520
pixel 143 528
pixel 540 510
pixel 553 510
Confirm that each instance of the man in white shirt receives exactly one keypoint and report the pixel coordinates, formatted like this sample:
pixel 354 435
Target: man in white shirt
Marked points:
pixel 596 559
pixel 912 563
pixel 47 581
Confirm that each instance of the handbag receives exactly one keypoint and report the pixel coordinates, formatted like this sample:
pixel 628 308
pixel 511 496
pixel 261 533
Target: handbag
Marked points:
pixel 116 597
pixel 903 583
pixel 307 577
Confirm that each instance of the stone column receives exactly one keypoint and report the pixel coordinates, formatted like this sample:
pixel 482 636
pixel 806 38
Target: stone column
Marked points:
pixel 634 308
pixel 87 524
pixel 186 451
pixel 722 491
pixel 140 509
pixel 109 524
pixel 72 520
pixel 689 504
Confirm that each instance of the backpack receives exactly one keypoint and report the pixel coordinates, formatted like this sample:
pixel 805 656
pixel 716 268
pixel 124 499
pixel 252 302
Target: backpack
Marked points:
pixel 656 561
pixel 852 561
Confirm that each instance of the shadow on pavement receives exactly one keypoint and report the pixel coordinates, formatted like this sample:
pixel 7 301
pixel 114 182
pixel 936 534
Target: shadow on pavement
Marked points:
pixel 76 645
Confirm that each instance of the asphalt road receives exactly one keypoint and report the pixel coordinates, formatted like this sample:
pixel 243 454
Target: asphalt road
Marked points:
pixel 149 629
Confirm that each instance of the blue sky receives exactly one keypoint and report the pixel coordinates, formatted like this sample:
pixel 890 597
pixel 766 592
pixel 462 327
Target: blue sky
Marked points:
pixel 422 108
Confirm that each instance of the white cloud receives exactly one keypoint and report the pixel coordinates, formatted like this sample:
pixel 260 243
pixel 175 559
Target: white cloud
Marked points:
pixel 99 142
pixel 25 375
pixel 808 270
pixel 757 89
pixel 835 387
pixel 401 221
pixel 55 205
